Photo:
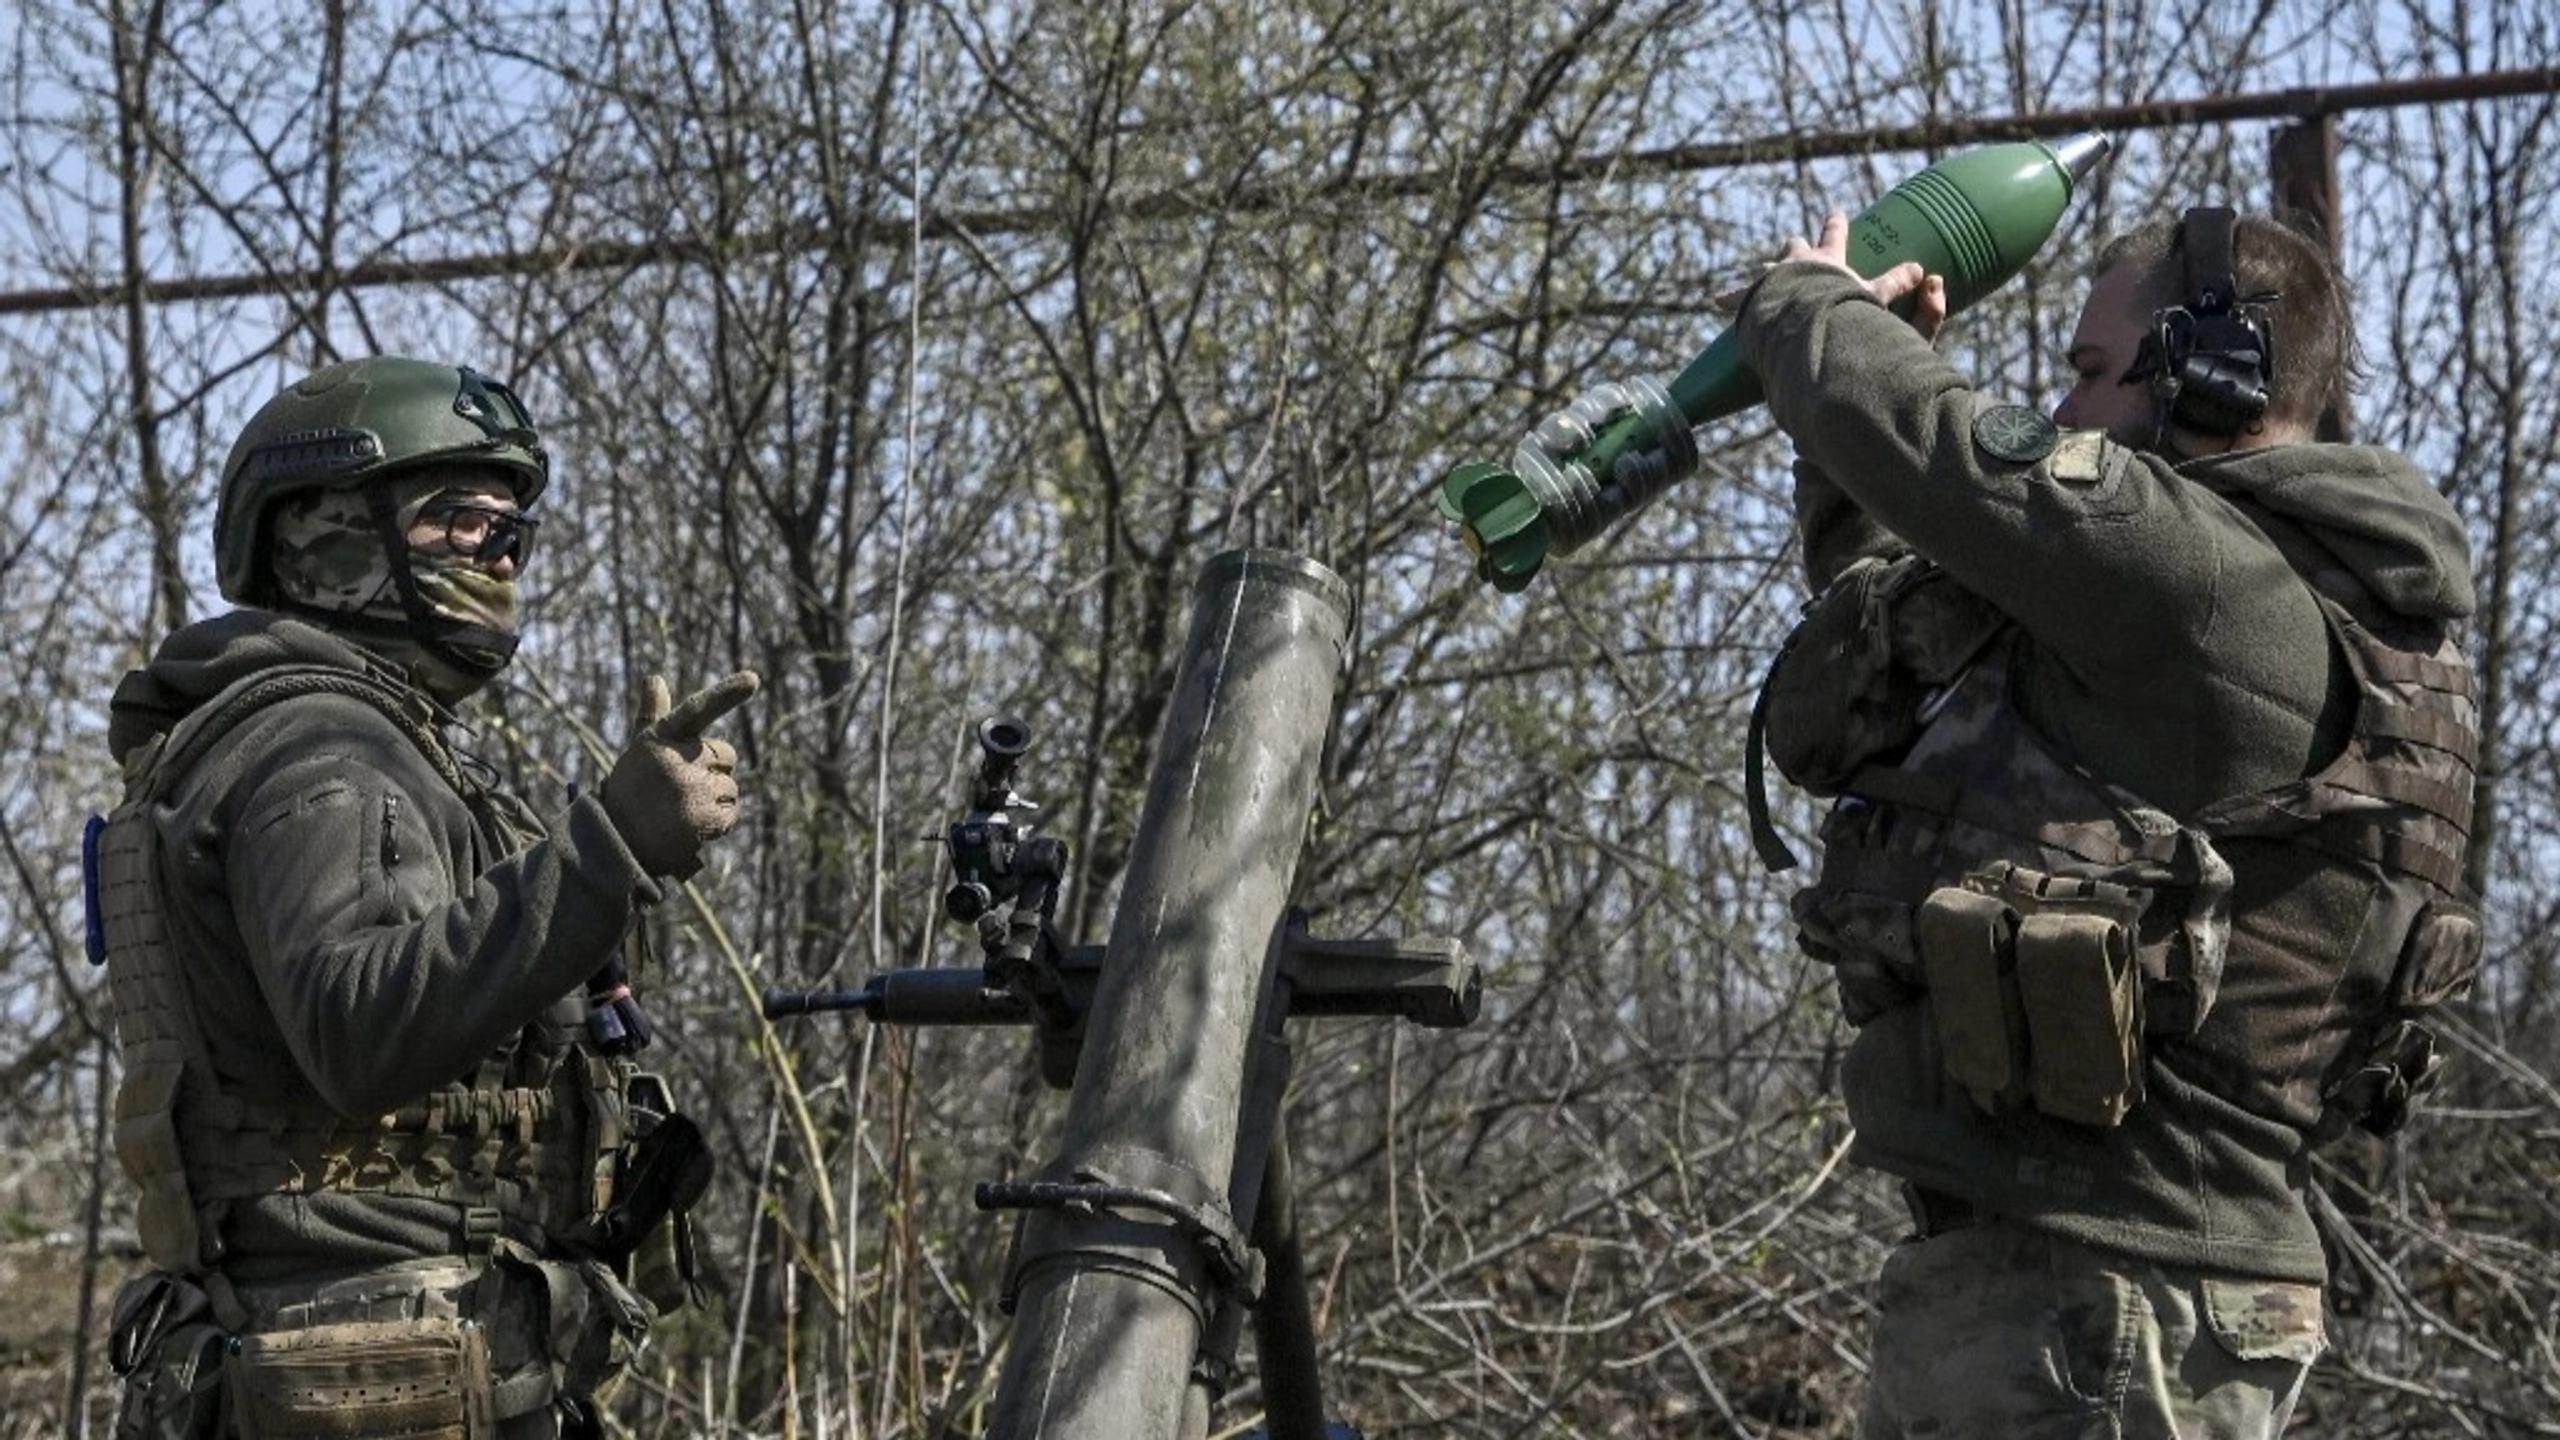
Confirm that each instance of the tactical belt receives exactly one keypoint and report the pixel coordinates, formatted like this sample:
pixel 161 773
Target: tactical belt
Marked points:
pixel 426 1290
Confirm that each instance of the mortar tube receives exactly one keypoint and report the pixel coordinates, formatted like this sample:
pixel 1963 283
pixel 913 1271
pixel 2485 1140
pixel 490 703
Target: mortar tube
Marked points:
pixel 1109 1306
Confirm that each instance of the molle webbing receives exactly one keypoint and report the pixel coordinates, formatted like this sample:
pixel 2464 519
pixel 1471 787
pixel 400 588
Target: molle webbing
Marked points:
pixel 2400 795
pixel 159 1040
pixel 513 1151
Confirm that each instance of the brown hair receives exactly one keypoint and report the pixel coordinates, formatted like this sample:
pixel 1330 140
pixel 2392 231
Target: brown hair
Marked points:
pixel 2315 339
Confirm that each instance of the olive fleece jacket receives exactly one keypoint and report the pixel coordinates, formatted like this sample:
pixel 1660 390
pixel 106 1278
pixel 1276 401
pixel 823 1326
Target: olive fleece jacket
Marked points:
pixel 2173 647
pixel 356 930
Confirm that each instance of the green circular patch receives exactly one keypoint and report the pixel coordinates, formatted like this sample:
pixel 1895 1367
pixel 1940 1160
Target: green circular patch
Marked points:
pixel 2014 433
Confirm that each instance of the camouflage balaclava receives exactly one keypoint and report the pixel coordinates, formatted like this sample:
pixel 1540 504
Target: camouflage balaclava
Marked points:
pixel 330 556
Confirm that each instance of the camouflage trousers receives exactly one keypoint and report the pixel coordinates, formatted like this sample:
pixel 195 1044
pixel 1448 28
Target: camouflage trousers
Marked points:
pixel 1998 1330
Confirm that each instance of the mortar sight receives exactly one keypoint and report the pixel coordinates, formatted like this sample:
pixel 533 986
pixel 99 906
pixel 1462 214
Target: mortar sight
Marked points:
pixel 994 856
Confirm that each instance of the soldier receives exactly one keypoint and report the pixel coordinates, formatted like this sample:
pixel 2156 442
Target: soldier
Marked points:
pixel 378 1151
pixel 2152 751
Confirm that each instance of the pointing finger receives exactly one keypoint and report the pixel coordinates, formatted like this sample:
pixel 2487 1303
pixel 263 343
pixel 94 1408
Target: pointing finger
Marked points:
pixel 688 720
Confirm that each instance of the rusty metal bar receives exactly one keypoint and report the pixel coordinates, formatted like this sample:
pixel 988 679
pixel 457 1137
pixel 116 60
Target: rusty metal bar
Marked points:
pixel 609 256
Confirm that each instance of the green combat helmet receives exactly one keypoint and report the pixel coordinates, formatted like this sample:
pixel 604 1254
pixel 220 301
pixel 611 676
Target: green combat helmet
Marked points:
pixel 357 427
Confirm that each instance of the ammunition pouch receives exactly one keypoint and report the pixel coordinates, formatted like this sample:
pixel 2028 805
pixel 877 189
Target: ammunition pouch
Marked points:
pixel 2401 1058
pixel 2035 992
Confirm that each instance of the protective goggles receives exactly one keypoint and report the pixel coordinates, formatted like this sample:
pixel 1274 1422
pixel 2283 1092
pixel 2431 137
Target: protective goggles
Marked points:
pixel 478 531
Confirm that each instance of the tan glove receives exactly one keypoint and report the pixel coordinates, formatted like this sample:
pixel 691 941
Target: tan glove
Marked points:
pixel 673 791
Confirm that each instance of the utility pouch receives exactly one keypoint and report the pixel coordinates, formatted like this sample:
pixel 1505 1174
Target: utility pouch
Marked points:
pixel 588 1321
pixel 1833 701
pixel 1968 955
pixel 2080 989
pixel 422 1379
pixel 164 1344
pixel 2437 964
pixel 1849 686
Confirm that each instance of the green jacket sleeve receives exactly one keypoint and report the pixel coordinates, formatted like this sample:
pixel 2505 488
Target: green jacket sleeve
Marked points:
pixel 1892 424
pixel 2169 627
pixel 1835 531
pixel 391 950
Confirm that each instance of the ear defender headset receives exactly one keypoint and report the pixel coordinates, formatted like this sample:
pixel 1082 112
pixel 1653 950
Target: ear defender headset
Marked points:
pixel 2209 361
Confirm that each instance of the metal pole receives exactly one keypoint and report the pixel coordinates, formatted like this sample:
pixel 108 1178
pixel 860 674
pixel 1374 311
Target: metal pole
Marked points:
pixel 2304 158
pixel 604 254
pixel 1123 1253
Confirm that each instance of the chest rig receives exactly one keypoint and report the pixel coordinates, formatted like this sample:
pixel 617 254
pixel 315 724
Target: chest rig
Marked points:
pixel 2057 926
pixel 530 1136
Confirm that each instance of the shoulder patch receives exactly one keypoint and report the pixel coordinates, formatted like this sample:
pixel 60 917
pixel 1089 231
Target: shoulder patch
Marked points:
pixel 2013 433
pixel 2085 457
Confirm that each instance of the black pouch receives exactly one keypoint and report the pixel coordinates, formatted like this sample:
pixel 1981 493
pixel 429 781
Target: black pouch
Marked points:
pixel 647 1233
pixel 164 1344
pixel 667 1172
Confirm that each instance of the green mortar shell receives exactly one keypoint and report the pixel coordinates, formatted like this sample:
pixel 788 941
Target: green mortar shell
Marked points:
pixel 1974 218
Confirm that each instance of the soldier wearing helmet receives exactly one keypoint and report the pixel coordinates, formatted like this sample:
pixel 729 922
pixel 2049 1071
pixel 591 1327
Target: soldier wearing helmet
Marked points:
pixel 326 482
pixel 386 1171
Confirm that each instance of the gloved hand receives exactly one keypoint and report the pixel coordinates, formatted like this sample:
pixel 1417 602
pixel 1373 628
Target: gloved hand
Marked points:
pixel 673 791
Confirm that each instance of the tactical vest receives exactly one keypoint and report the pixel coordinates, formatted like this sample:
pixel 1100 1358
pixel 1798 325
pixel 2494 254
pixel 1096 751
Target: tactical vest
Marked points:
pixel 530 1137
pixel 2396 806
pixel 2056 924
